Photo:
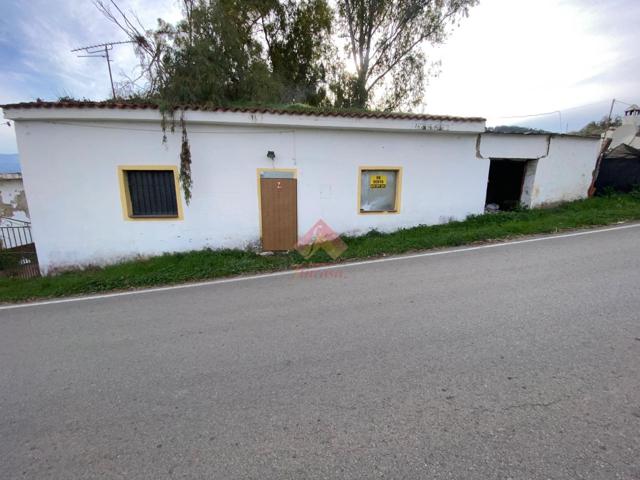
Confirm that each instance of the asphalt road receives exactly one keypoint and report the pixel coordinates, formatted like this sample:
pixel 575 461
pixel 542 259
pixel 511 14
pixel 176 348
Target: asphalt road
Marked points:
pixel 519 362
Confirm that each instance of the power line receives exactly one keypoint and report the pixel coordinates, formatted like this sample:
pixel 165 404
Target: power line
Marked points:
pixel 555 112
pixel 531 115
pixel 559 112
pixel 601 102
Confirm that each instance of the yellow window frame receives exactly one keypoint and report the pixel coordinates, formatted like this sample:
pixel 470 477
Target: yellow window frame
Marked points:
pixel 398 189
pixel 125 197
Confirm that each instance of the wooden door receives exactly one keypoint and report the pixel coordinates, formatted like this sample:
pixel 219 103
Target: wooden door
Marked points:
pixel 279 205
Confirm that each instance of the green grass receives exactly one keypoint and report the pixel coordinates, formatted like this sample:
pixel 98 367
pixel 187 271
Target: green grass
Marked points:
pixel 208 264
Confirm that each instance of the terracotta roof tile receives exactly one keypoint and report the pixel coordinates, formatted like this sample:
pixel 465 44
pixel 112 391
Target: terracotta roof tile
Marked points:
pixel 274 111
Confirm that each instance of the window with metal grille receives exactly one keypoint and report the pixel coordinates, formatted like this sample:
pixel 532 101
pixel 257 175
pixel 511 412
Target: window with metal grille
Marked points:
pixel 152 193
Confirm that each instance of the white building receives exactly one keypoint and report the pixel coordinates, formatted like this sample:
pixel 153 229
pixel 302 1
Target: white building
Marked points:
pixel 539 169
pixel 103 187
pixel 13 200
pixel 628 132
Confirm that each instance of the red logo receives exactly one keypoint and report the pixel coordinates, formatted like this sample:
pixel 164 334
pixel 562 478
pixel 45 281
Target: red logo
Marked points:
pixel 321 236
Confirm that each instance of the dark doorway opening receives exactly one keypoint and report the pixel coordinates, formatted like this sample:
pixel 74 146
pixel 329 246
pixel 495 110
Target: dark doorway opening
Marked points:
pixel 505 183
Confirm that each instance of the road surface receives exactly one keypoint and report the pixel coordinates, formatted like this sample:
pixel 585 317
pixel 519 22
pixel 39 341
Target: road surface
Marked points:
pixel 520 361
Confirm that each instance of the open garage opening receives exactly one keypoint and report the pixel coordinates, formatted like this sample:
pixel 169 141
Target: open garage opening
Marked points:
pixel 510 183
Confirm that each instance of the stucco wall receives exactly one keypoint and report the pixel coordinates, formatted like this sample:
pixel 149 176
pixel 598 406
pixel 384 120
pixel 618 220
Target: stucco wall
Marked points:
pixel 566 173
pixel 13 200
pixel 560 167
pixel 70 172
pixel 513 146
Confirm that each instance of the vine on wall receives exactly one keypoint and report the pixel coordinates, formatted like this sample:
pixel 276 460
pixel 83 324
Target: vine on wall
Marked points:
pixel 168 120
pixel 185 161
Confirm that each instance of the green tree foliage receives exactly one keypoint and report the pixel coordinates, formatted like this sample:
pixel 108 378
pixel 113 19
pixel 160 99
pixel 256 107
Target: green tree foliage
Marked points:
pixel 297 36
pixel 515 129
pixel 230 51
pixel 598 128
pixel 384 40
pixel 214 57
pixel 284 51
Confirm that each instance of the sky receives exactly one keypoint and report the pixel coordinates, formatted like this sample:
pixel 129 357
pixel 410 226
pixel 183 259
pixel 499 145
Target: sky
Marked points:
pixel 508 61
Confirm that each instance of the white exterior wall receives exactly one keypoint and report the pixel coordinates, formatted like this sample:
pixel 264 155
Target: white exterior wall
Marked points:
pixel 566 173
pixel 627 133
pixel 564 165
pixel 13 200
pixel 70 173
pixel 513 146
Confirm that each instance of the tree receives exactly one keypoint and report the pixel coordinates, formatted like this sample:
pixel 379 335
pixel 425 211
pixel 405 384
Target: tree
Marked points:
pixel 229 51
pixel 515 129
pixel 384 40
pixel 148 45
pixel 298 40
pixel 214 57
pixel 598 128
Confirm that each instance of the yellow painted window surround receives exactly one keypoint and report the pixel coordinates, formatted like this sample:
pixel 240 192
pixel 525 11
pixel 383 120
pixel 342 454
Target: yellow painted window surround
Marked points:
pixel 380 183
pixel 125 197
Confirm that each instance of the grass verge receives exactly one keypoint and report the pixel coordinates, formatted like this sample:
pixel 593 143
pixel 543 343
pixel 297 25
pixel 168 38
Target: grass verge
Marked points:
pixel 209 264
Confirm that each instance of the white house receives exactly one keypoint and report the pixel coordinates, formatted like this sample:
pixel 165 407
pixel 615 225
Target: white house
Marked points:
pixel 103 186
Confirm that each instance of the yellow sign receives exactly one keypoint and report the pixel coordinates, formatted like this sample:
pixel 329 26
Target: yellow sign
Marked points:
pixel 378 181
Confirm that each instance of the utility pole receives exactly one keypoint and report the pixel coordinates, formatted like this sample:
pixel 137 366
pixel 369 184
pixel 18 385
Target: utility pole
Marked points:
pixel 106 54
pixel 560 115
pixel 613 102
pixel 101 51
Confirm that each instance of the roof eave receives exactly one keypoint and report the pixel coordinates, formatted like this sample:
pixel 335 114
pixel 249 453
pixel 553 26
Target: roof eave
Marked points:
pixel 279 119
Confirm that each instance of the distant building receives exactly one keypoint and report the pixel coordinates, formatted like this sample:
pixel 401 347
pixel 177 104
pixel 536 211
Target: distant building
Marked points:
pixel 620 166
pixel 629 132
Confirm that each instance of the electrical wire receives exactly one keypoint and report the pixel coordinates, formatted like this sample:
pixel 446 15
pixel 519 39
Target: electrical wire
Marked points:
pixel 555 112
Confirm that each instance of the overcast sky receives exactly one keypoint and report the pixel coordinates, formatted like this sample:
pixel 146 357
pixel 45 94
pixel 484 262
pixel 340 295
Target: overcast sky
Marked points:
pixel 509 58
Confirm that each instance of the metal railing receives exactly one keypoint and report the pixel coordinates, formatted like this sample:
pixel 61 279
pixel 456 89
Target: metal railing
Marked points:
pixel 17 251
pixel 15 236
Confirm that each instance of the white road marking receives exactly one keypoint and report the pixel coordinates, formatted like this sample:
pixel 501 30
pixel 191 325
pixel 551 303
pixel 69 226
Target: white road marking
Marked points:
pixel 316 269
